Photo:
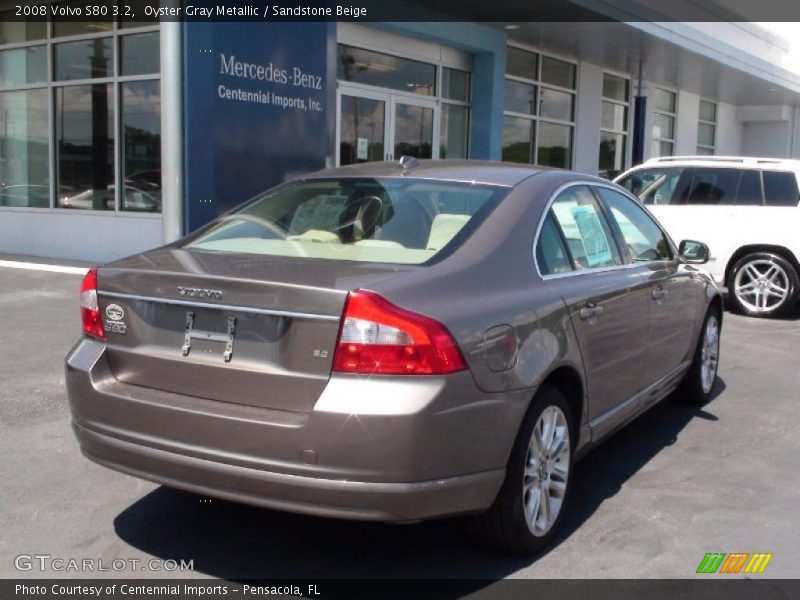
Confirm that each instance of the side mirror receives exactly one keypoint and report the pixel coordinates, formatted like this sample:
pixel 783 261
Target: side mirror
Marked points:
pixel 693 252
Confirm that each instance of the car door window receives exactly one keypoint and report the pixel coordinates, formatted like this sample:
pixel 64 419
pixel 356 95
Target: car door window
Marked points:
pixel 714 186
pixel 653 186
pixel 551 253
pixel 780 188
pixel 644 238
pixel 749 193
pixel 590 242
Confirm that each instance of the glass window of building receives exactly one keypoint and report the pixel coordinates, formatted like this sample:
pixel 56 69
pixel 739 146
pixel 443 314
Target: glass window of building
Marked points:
pixel 69 26
pixel 454 117
pixel 707 128
pixel 139 54
pixel 85 146
pixel 89 137
pixel 520 97
pixel 361 119
pixel 380 113
pixel 558 72
pixel 521 63
pixel 18 32
pixel 24 143
pixel 358 65
pixel 612 159
pixel 140 103
pixel 539 121
pixel 664 117
pixel 85 59
pixel 23 66
pixel 518 139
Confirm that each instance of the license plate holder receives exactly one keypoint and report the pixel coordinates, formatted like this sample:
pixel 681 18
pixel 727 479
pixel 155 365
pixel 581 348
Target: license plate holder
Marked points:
pixel 191 333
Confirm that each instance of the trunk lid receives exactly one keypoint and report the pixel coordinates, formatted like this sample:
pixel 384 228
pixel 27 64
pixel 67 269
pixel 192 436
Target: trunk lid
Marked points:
pixel 233 328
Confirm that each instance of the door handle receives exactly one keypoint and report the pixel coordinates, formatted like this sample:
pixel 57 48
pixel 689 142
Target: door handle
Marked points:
pixel 659 293
pixel 590 311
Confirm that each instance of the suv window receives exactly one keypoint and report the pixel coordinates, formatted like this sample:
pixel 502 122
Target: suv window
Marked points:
pixel 551 253
pixel 589 239
pixel 749 192
pixel 653 186
pixel 780 188
pixel 645 240
pixel 714 186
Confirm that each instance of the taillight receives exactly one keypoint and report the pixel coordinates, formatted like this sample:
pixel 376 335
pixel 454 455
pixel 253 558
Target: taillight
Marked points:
pixel 378 337
pixel 90 309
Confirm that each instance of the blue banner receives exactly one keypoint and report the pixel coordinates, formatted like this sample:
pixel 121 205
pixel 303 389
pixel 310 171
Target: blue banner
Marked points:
pixel 259 105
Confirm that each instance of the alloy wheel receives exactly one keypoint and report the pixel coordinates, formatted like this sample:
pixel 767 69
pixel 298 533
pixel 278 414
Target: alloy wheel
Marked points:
pixel 761 286
pixel 546 473
pixel 709 354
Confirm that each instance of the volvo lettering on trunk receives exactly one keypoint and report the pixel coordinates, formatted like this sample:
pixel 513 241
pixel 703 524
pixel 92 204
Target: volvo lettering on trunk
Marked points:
pixel 204 293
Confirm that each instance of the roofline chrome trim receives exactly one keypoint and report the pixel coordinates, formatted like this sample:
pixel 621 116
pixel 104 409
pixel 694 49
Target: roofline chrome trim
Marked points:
pixel 231 307
pixel 413 175
pixel 616 188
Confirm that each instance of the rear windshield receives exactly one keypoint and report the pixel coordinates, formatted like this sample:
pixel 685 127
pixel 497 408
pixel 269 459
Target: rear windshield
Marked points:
pixel 392 220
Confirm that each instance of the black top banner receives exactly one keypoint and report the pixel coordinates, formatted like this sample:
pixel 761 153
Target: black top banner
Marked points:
pixel 501 11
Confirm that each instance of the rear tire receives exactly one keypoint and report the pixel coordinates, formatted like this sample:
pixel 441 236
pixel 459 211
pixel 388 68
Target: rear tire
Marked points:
pixel 530 505
pixel 763 284
pixel 699 382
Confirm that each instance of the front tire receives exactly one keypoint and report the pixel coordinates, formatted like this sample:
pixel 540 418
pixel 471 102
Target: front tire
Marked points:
pixel 530 505
pixel 763 284
pixel 701 378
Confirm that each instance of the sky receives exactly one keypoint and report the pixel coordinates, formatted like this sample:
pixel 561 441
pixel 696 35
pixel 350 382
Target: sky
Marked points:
pixel 790 32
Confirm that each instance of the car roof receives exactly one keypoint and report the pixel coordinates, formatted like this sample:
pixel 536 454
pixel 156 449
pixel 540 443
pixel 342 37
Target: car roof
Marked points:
pixel 742 162
pixel 472 171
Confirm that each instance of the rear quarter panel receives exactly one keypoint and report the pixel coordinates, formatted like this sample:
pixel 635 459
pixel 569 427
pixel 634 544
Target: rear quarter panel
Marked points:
pixel 492 281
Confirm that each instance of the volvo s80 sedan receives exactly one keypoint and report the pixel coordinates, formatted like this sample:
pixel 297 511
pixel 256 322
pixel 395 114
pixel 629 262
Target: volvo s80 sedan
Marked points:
pixel 395 342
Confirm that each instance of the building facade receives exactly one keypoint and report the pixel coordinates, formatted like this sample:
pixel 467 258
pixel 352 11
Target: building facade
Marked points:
pixel 116 138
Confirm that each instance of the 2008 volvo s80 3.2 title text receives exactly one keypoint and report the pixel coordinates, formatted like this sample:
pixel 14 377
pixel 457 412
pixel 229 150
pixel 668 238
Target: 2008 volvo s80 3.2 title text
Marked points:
pixel 395 342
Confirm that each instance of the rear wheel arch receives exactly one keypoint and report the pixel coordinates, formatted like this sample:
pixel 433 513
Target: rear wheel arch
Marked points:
pixel 717 306
pixel 568 381
pixel 507 524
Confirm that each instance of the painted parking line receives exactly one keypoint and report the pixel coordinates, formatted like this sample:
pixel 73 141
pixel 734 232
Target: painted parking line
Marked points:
pixel 13 264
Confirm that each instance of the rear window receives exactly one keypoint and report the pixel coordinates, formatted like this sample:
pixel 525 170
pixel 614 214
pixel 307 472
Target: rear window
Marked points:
pixel 392 220
pixel 780 188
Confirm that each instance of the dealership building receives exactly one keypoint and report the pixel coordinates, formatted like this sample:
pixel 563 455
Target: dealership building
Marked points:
pixel 116 137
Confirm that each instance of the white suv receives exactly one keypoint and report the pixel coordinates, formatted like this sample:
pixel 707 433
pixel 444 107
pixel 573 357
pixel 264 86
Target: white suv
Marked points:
pixel 745 210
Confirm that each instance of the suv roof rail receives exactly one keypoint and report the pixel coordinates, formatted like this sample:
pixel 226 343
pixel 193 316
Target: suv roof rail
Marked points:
pixel 744 160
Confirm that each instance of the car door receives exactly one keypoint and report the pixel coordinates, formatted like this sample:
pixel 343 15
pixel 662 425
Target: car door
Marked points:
pixel 607 302
pixel 672 291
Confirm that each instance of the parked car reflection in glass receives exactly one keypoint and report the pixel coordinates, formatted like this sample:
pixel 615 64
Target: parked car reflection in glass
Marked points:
pixel 136 199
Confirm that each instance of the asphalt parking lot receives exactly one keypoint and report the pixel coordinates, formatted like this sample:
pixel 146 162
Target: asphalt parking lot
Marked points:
pixel 674 485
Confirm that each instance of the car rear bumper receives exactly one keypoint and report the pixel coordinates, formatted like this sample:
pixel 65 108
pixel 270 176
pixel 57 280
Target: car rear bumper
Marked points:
pixel 322 497
pixel 393 452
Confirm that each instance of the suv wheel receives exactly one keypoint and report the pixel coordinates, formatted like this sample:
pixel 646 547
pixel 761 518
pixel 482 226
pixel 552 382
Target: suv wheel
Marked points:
pixel 528 509
pixel 763 284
